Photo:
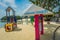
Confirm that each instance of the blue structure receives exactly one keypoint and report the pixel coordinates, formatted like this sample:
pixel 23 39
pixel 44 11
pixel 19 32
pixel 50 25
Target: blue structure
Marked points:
pixel 11 19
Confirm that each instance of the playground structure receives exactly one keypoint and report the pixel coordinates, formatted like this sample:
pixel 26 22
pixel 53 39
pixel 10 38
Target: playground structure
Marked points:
pixel 11 20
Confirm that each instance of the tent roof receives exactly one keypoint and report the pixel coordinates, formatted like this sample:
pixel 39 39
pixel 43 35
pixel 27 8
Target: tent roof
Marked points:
pixel 32 9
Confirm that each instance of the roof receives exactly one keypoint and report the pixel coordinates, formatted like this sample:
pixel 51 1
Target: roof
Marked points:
pixel 33 9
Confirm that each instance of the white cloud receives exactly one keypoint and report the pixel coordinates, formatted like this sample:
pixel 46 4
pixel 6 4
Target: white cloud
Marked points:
pixel 2 4
pixel 9 2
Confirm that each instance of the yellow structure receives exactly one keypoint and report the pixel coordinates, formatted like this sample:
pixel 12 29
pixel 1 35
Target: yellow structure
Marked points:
pixel 9 27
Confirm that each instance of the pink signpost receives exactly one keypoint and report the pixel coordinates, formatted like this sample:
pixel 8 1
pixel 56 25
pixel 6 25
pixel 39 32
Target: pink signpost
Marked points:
pixel 37 35
pixel 38 26
pixel 41 25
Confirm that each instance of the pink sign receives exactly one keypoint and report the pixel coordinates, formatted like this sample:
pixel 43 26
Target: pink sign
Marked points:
pixel 37 34
pixel 41 24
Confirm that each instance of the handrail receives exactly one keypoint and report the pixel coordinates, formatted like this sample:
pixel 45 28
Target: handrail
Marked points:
pixel 54 33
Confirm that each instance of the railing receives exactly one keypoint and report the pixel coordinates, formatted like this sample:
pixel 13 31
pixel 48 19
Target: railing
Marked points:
pixel 54 33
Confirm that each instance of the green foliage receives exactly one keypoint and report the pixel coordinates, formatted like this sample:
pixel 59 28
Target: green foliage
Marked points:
pixel 47 4
pixel 18 17
pixel 26 17
pixel 48 17
pixel 5 18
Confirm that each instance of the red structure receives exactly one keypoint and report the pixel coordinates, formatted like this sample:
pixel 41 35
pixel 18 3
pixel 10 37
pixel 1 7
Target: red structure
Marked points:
pixel 37 35
pixel 41 25
pixel 38 26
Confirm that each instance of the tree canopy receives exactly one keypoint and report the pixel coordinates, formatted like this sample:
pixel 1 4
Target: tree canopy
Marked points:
pixel 47 4
pixel 5 18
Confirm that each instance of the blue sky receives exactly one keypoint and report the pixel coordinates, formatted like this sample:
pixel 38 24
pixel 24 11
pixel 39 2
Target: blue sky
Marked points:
pixel 18 5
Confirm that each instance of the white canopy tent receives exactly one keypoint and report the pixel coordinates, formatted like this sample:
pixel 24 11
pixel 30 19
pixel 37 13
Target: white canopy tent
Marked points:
pixel 33 9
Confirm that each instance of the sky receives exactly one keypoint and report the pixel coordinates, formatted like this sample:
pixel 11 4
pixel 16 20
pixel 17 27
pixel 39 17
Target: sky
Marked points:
pixel 19 6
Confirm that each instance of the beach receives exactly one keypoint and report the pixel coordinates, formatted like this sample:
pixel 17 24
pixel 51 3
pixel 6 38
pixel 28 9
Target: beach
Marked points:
pixel 27 32
pixel 24 32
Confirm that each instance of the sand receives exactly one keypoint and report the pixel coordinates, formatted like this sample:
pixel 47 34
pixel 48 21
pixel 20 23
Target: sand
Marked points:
pixel 26 32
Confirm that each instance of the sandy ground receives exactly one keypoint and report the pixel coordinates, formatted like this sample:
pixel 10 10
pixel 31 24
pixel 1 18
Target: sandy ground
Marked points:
pixel 26 32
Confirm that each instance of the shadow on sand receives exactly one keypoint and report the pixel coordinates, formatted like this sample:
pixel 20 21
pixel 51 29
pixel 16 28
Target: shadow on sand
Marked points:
pixel 18 29
pixel 48 33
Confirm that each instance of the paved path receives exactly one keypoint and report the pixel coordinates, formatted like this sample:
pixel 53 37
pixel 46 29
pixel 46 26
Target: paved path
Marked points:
pixel 49 29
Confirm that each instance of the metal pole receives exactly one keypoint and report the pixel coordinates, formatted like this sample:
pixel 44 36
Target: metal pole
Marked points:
pixel 54 33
